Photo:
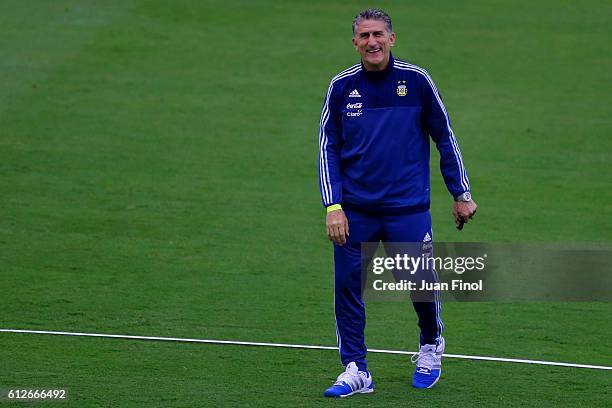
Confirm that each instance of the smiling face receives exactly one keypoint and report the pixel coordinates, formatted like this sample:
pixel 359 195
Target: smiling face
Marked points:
pixel 373 42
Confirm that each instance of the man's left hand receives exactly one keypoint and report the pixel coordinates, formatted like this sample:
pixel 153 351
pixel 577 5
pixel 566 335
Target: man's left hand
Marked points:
pixel 463 211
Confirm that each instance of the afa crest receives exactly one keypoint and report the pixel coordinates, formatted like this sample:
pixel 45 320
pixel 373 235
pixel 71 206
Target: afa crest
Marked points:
pixel 402 90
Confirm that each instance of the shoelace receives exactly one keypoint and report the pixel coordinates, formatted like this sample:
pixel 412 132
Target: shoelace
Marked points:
pixel 422 359
pixel 344 377
pixel 355 381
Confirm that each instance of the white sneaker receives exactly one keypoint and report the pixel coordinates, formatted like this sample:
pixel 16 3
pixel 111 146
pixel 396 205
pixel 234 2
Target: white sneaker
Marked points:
pixel 350 382
pixel 428 365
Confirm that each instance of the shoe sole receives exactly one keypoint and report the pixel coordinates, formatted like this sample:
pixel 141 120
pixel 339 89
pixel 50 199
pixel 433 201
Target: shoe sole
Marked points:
pixel 364 391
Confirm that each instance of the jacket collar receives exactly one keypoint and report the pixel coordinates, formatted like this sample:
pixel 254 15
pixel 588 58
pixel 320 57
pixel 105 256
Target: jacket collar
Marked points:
pixel 380 74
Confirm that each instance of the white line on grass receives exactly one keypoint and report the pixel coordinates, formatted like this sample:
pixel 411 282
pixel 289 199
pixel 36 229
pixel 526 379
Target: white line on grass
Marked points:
pixel 296 346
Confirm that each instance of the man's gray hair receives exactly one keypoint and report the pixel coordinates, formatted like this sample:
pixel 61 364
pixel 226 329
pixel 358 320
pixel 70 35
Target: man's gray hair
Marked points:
pixel 372 14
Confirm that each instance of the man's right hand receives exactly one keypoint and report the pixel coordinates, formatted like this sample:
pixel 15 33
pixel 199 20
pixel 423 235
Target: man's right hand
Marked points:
pixel 337 227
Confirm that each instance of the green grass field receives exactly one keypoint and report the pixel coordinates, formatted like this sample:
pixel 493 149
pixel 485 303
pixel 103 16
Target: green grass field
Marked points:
pixel 158 177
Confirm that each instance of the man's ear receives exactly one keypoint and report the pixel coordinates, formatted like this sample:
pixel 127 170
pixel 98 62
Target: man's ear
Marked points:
pixel 392 39
pixel 354 42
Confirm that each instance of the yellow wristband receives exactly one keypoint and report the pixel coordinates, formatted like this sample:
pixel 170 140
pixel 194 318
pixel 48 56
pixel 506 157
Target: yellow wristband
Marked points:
pixel 334 207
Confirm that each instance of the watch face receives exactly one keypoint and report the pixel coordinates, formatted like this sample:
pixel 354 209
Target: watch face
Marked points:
pixel 467 196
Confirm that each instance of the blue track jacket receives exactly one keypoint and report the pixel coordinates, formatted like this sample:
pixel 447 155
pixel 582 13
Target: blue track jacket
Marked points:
pixel 374 140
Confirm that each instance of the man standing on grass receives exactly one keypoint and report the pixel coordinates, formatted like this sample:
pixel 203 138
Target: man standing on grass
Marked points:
pixel 374 178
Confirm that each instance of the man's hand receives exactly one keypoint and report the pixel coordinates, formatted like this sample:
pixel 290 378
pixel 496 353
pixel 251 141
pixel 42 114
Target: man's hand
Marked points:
pixel 337 227
pixel 463 211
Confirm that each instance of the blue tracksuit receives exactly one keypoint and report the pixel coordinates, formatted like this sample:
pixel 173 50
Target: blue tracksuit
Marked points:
pixel 374 160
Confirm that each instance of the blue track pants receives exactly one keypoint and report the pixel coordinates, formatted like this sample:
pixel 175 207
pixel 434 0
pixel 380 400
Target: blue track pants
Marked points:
pixel 348 302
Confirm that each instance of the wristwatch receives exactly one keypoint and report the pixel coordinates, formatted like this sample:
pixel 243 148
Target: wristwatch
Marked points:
pixel 464 197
